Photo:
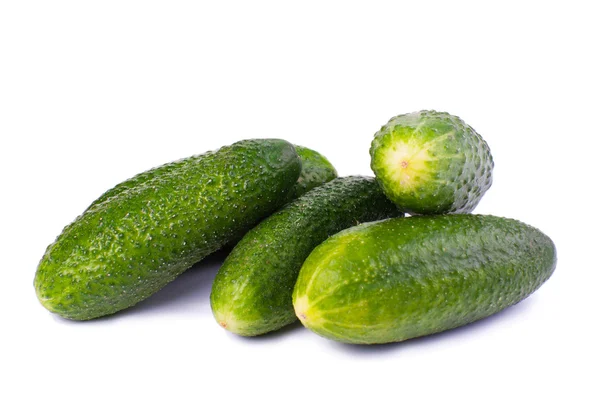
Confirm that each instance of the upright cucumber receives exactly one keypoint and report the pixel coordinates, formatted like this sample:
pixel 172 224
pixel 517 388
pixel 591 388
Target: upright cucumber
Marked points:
pixel 397 279
pixel 130 245
pixel 431 162
pixel 252 292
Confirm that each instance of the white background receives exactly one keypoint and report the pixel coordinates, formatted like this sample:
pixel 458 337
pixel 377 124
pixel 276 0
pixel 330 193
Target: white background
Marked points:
pixel 92 93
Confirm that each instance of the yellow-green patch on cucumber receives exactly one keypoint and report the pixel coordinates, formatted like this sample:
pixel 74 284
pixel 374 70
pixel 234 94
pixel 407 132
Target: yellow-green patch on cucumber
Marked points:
pixel 396 279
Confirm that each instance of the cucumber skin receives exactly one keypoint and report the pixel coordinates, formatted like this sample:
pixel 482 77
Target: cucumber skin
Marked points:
pixel 252 292
pixel 316 170
pixel 397 279
pixel 462 163
pixel 126 248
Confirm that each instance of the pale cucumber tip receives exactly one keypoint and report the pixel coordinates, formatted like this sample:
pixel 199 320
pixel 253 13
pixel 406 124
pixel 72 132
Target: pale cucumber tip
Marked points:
pixel 46 301
pixel 301 308
pixel 304 313
pixel 232 324
pixel 407 165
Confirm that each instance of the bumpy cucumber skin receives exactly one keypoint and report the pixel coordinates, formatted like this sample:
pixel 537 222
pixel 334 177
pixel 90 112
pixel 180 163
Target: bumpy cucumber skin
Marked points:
pixel 457 168
pixel 252 292
pixel 129 246
pixel 144 178
pixel 397 279
pixel 316 170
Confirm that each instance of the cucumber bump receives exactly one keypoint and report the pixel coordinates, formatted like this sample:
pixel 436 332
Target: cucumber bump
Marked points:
pixel 431 162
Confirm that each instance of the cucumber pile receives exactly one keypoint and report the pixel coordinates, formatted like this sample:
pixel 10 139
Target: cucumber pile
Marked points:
pixel 337 253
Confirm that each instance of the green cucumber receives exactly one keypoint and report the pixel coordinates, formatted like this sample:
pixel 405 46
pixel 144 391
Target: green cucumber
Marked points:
pixel 316 170
pixel 401 278
pixel 252 292
pixel 130 245
pixel 431 162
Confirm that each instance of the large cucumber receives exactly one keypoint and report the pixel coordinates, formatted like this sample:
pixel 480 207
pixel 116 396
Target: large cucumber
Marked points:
pixel 431 162
pixel 131 244
pixel 252 292
pixel 401 278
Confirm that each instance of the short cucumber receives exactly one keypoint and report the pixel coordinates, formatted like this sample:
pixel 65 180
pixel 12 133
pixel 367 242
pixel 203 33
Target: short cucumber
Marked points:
pixel 431 162
pixel 252 292
pixel 131 244
pixel 401 278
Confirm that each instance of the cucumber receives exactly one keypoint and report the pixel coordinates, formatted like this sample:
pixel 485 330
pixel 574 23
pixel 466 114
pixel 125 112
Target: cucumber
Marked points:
pixel 316 170
pixel 401 278
pixel 252 292
pixel 130 245
pixel 431 162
